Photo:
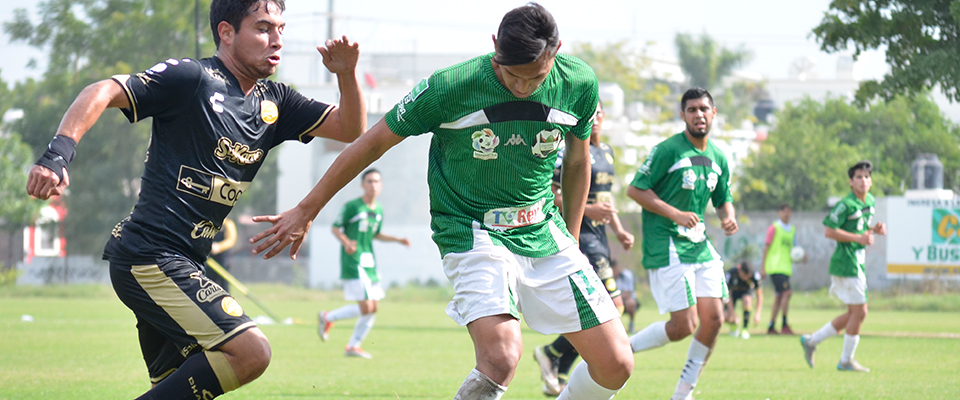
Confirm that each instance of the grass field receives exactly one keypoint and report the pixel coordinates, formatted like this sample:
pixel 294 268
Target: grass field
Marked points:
pixel 82 345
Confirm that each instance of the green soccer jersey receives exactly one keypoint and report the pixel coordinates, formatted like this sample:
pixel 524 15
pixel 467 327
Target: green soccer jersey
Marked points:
pixel 686 178
pixel 360 223
pixel 854 216
pixel 492 154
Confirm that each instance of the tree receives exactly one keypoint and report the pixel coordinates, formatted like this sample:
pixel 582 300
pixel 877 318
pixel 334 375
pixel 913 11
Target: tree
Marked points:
pixel 706 62
pixel 920 37
pixel 89 40
pixel 805 158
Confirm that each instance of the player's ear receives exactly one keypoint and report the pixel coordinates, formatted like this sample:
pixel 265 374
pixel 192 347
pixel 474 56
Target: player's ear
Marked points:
pixel 226 32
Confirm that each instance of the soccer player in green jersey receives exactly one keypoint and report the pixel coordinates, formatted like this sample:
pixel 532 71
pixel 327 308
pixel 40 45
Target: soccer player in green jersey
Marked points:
pixel 497 122
pixel 849 224
pixel 359 223
pixel 674 184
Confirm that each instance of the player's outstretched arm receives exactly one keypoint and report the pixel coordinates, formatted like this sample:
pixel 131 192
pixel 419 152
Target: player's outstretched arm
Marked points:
pixel 728 218
pixel 397 239
pixel 291 227
pixel 575 182
pixel 44 181
pixel 653 203
pixel 349 120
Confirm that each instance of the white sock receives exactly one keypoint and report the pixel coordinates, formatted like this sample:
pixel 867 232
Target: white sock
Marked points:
pixel 696 358
pixel 824 333
pixel 582 386
pixel 478 386
pixel 850 343
pixel 345 312
pixel 361 329
pixel 653 336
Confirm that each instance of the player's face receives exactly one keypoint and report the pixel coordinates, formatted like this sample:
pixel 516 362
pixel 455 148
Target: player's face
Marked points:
pixel 743 274
pixel 372 185
pixel 698 115
pixel 522 80
pixel 597 123
pixel 785 214
pixel 861 182
pixel 257 44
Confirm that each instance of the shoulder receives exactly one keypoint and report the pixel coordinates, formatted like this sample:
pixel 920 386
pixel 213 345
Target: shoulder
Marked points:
pixel 573 65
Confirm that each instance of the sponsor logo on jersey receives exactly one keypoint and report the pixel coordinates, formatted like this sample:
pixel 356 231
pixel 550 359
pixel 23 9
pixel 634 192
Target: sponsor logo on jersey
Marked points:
pixel 696 234
pixel 835 215
pixel 645 168
pixel 417 90
pixel 216 74
pixel 231 307
pixel 603 178
pixel 158 68
pixel 204 229
pixel 689 179
pixel 712 179
pixel 547 142
pixel 185 351
pixel 501 219
pixel 484 144
pixel 237 153
pixel 515 140
pixel 210 187
pixel 269 112
pixel 209 290
pixel 118 229
pixel 216 102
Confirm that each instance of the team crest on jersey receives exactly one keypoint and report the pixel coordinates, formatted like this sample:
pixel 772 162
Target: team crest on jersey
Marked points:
pixel 269 112
pixel 712 179
pixel 547 142
pixel 231 307
pixel 689 179
pixel 484 144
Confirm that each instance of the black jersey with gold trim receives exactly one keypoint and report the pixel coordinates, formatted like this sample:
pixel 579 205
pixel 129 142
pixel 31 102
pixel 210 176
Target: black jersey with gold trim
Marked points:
pixel 208 141
pixel 593 235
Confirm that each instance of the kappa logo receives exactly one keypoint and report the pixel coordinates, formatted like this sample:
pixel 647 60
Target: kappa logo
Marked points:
pixel 205 229
pixel 485 142
pixel 237 153
pixel 515 140
pixel 547 142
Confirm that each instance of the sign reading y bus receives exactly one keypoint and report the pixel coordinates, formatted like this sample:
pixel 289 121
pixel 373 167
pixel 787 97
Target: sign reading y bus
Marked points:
pixel 923 236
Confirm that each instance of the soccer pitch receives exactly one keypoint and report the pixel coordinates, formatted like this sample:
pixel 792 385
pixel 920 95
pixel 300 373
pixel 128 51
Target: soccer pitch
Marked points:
pixel 85 346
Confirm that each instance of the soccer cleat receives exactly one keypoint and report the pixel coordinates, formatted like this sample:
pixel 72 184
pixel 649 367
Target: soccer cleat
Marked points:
pixel 853 365
pixel 785 330
pixel 550 392
pixel 548 371
pixel 734 333
pixel 808 349
pixel 323 326
pixel 773 331
pixel 356 352
pixel 745 335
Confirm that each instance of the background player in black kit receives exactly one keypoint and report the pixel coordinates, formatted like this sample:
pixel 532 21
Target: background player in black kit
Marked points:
pixel 555 359
pixel 743 282
pixel 214 120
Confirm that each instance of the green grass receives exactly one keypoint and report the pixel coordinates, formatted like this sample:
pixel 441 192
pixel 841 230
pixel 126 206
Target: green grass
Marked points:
pixel 82 345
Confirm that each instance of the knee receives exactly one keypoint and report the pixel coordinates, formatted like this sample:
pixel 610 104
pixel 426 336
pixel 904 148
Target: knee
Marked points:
pixel 501 362
pixel 258 358
pixel 677 330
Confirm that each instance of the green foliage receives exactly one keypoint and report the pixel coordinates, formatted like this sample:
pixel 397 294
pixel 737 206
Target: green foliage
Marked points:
pixel 805 158
pixel 706 62
pixel 87 41
pixel 8 276
pixel 920 37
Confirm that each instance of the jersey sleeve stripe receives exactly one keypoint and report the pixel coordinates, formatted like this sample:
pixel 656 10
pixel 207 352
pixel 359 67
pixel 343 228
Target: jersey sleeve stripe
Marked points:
pixel 122 81
pixel 323 117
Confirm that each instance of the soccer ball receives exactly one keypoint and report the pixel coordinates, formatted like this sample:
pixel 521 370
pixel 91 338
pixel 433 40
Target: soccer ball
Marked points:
pixel 797 253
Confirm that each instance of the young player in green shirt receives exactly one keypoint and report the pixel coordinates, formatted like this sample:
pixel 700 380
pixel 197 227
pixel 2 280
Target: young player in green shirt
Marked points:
pixel 674 184
pixel 497 122
pixel 359 223
pixel 849 224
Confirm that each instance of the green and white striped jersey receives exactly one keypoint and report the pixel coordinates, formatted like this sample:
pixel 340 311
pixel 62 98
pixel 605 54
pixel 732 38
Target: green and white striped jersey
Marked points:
pixel 492 154
pixel 686 178
pixel 360 223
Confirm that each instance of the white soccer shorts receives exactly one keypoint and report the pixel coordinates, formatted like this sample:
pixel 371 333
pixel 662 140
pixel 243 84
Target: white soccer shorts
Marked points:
pixel 677 286
pixel 851 290
pixel 362 289
pixel 556 294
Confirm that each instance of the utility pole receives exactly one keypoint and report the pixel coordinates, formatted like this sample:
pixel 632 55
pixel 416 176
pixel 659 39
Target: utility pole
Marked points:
pixel 196 27
pixel 330 19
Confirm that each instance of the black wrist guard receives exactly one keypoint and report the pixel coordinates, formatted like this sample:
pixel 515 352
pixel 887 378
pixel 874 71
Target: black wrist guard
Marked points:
pixel 60 152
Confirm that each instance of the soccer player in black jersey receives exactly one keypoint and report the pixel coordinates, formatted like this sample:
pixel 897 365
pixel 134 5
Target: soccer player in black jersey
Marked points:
pixel 214 120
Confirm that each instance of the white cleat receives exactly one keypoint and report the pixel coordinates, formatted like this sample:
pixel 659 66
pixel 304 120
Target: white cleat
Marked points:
pixel 808 349
pixel 356 352
pixel 548 372
pixel 853 365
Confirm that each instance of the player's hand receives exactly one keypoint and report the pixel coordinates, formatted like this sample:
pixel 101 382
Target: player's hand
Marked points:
pixel 339 55
pixel 600 212
pixel 729 226
pixel 350 246
pixel 686 219
pixel 43 183
pixel 756 319
pixel 626 239
pixel 880 229
pixel 866 238
pixel 405 242
pixel 289 229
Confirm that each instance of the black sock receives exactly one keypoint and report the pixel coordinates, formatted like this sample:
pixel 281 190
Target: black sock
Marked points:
pixel 772 324
pixel 563 368
pixel 746 318
pixel 559 347
pixel 784 319
pixel 194 379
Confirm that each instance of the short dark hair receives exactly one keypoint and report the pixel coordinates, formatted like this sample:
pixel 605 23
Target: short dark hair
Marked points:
pixel 525 33
pixel 233 12
pixel 865 165
pixel 783 206
pixel 368 172
pixel 745 267
pixel 693 94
